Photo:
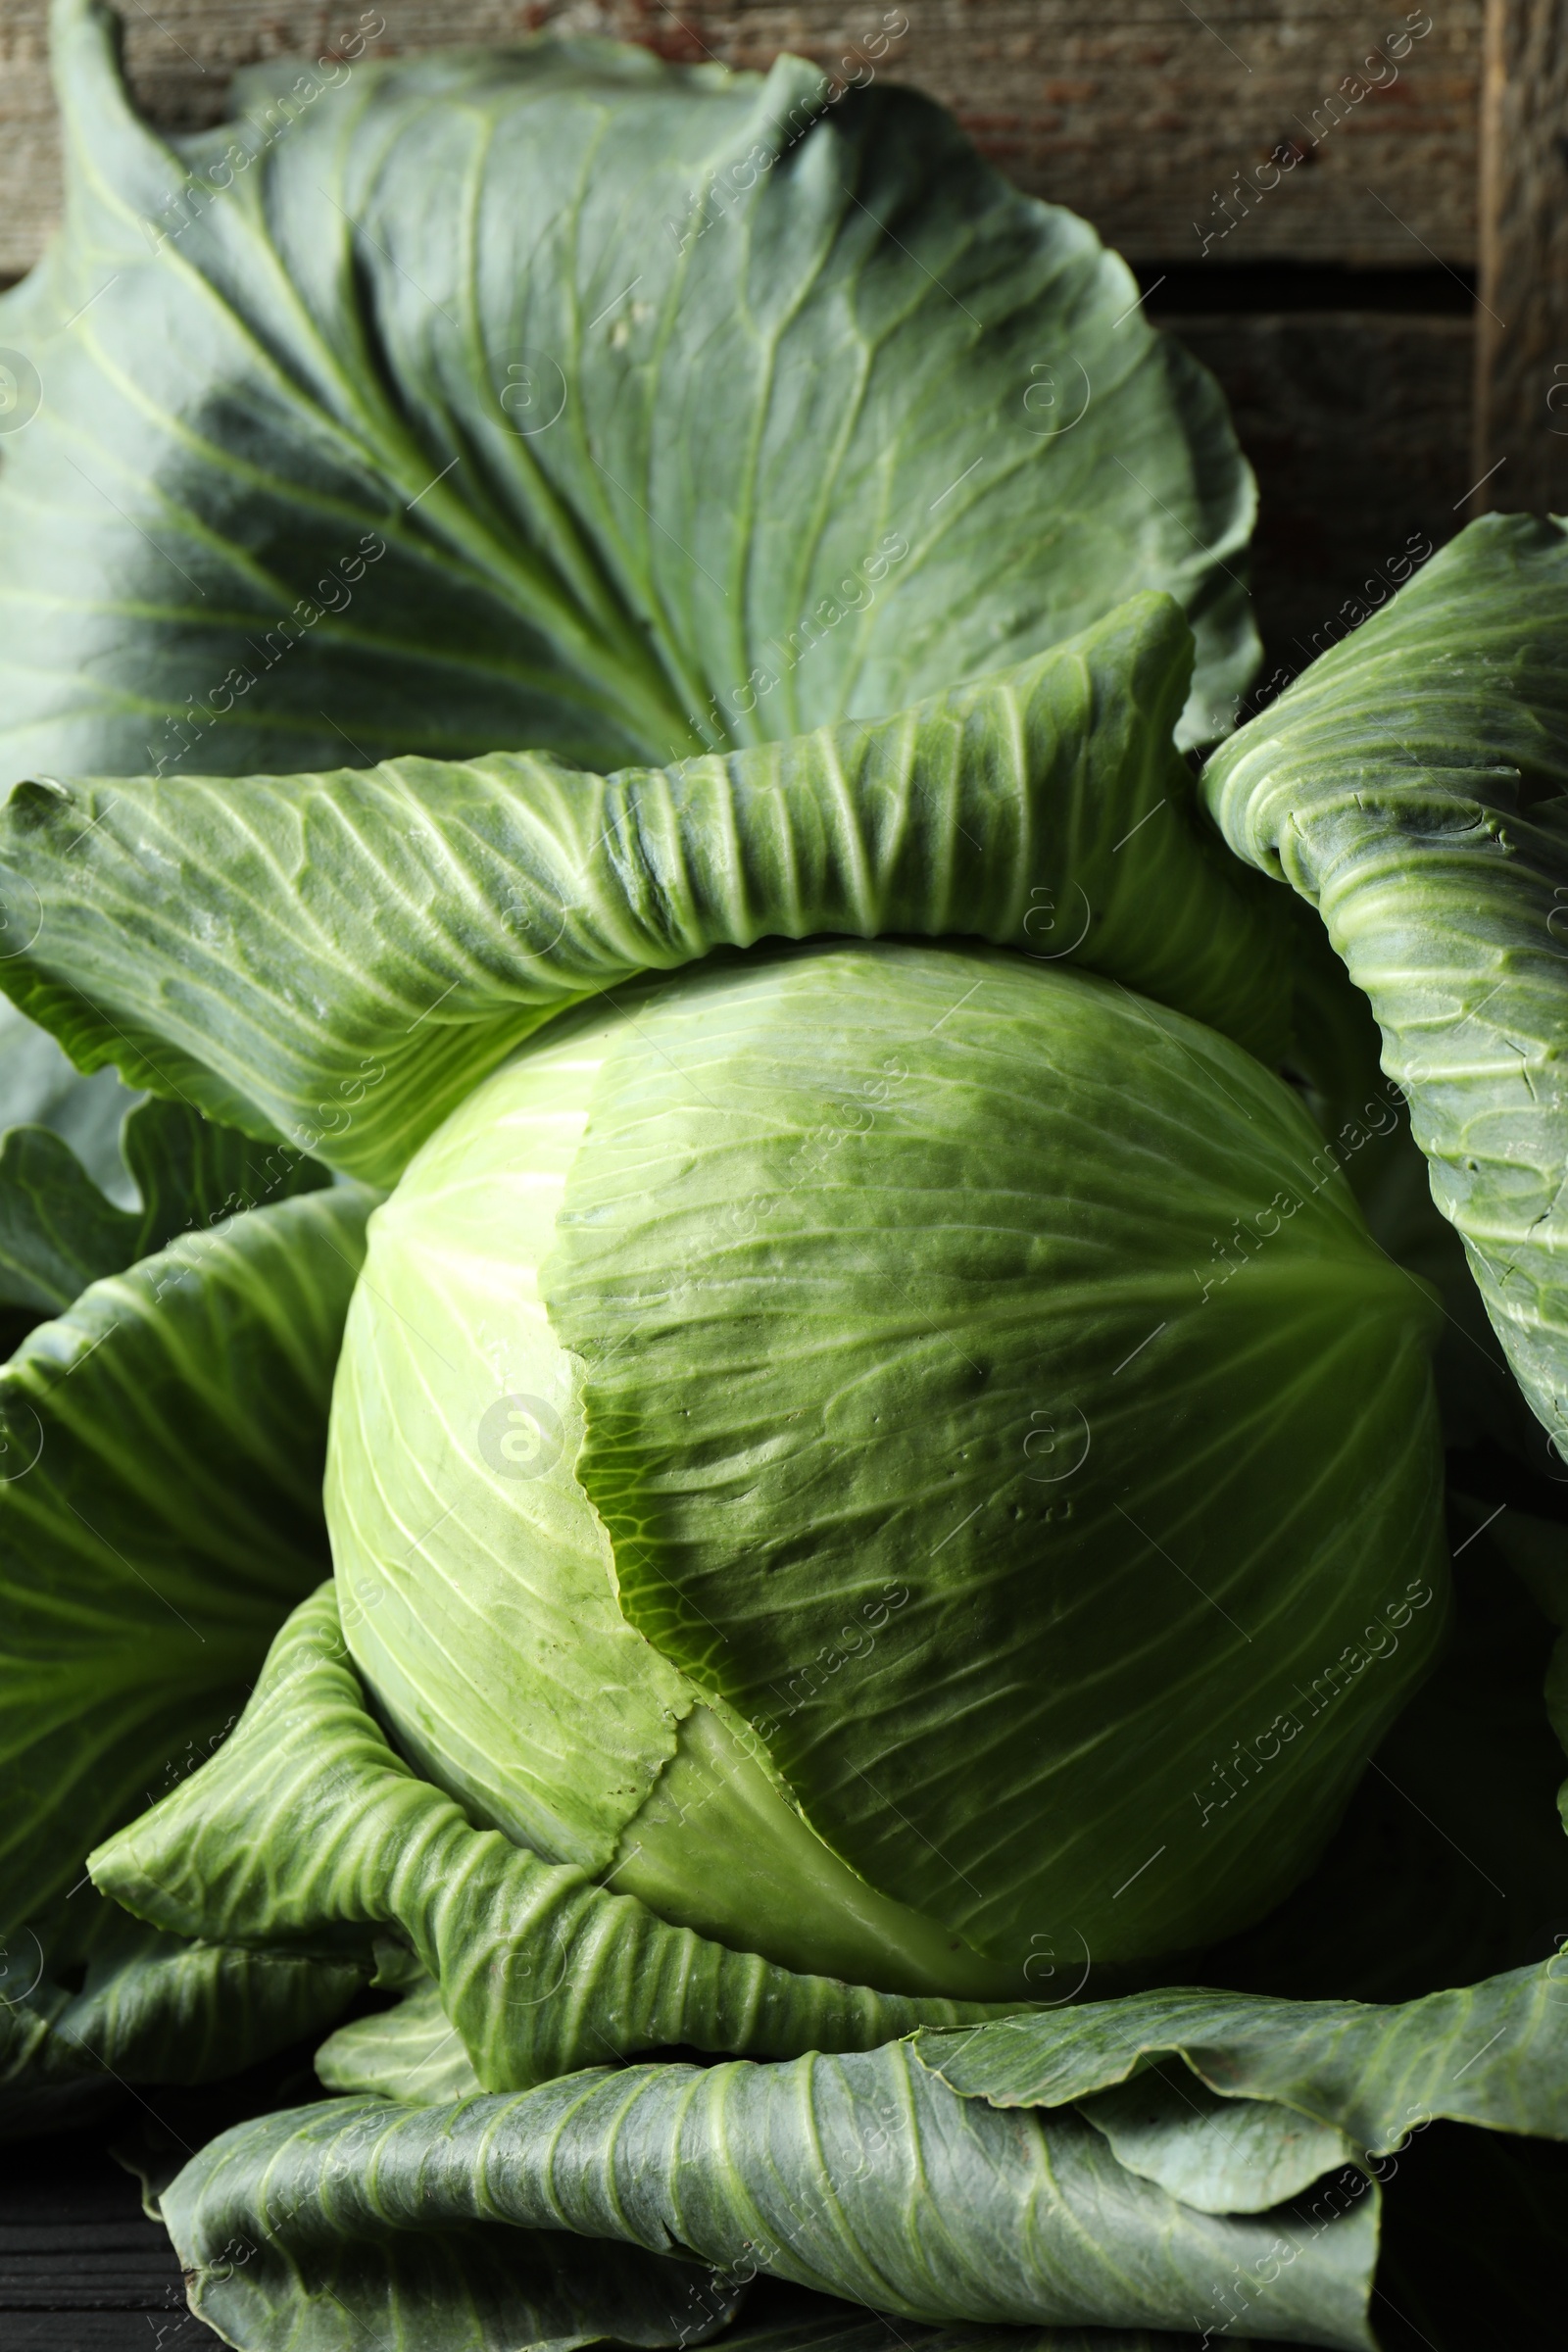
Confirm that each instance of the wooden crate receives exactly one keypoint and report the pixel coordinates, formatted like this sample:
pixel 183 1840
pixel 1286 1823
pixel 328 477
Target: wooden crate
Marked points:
pixel 1307 186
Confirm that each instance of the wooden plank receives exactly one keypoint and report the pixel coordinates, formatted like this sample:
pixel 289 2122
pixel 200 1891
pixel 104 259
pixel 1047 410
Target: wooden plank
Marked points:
pixel 1359 430
pixel 81 2267
pixel 1521 444
pixel 1152 117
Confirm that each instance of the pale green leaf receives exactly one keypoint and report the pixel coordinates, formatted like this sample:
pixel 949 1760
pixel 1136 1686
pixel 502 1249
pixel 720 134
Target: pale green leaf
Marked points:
pixel 412 2052
pixel 371 944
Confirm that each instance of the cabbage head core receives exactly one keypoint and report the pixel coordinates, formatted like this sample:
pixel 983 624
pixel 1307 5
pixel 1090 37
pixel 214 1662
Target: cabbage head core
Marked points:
pixel 896 1455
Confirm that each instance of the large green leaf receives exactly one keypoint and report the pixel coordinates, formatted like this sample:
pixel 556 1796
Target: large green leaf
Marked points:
pixel 553 397
pixel 281 2249
pixel 41 1088
pixel 1411 785
pixel 861 2176
pixel 149 2008
pixel 159 1515
pixel 307 1828
pixel 1494 2053
pixel 371 944
pixel 59 1233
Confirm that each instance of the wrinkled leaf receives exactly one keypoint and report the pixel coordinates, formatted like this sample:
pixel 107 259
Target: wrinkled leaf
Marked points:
pixel 371 944
pixel 412 2052
pixel 1494 2053
pixel 300 2257
pixel 551 397
pixel 1413 786
pixel 306 1827
pixel 860 2177
pixel 150 2009
pixel 159 1515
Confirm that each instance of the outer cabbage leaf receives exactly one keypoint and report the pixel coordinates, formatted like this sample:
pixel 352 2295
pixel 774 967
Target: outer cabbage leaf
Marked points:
pixel 1413 786
pixel 41 1088
pixel 162 1514
pixel 1494 2053
pixel 861 2176
pixel 553 397
pixel 1335 1056
pixel 412 2052
pixel 59 1233
pixel 150 2008
pixel 368 946
pixel 300 2261
pixel 306 1828
pixel 90 1182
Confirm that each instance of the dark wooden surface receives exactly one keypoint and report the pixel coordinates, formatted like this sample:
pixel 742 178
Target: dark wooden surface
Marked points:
pixel 1359 430
pixel 81 2267
pixel 1140 114
pixel 1521 410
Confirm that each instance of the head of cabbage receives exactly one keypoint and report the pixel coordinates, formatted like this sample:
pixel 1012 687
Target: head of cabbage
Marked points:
pixel 875 1449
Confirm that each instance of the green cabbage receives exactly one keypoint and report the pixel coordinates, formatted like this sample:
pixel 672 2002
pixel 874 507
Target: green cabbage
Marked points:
pixel 764 1389
pixel 812 1435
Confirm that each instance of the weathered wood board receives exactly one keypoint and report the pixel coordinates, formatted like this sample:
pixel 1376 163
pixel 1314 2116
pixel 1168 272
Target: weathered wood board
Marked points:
pixel 1359 430
pixel 1152 117
pixel 1521 447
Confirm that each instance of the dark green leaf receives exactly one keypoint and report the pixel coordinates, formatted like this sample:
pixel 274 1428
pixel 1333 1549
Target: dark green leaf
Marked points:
pixel 861 2176
pixel 150 2008
pixel 551 397
pixel 40 1087
pixel 58 1233
pixel 160 1513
